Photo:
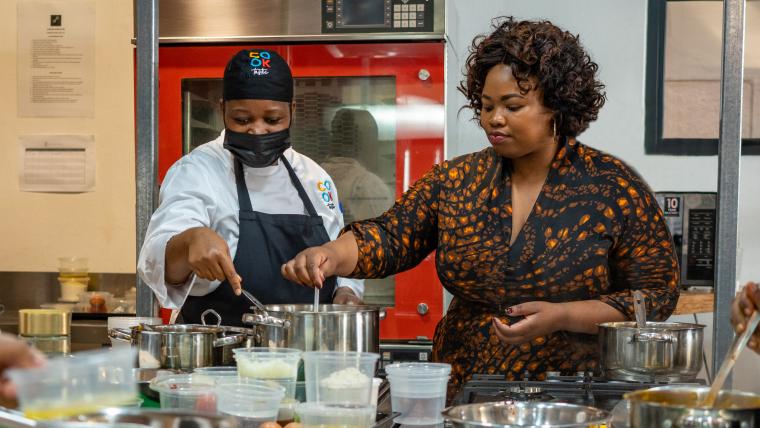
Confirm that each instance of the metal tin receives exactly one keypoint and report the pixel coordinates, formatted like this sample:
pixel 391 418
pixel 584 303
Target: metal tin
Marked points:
pixel 661 352
pixel 44 322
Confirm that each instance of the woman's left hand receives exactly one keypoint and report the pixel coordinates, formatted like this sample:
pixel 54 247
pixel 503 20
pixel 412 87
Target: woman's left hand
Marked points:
pixel 541 318
pixel 346 296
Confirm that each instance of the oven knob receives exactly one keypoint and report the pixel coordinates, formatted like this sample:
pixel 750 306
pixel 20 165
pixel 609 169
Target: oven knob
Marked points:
pixel 423 74
pixel 422 308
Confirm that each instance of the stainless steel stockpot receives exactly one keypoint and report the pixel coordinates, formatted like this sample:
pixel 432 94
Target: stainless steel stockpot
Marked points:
pixel 332 328
pixel 180 346
pixel 678 407
pixel 513 414
pixel 660 352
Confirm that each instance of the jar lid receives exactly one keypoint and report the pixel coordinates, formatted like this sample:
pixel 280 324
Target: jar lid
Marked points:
pixel 44 322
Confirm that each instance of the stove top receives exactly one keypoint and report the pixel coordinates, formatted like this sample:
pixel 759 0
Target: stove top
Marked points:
pixel 583 389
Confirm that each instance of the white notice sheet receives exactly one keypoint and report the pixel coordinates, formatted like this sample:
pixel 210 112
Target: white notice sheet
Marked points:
pixel 56 58
pixel 57 163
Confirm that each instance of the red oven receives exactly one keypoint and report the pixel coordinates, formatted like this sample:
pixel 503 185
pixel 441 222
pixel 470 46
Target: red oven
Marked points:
pixel 369 109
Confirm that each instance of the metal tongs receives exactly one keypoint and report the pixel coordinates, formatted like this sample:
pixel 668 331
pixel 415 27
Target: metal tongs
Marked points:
pixel 262 318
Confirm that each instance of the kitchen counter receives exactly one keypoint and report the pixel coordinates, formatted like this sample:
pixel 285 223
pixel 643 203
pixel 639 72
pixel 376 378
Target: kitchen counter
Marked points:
pixel 692 302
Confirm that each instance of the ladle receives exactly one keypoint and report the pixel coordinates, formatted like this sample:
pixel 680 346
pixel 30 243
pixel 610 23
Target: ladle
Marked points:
pixel 740 341
pixel 639 309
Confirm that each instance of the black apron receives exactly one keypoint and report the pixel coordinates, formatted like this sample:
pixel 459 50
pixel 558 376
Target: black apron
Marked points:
pixel 266 241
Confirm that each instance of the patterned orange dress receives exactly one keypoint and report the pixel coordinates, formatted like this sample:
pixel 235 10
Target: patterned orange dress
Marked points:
pixel 595 232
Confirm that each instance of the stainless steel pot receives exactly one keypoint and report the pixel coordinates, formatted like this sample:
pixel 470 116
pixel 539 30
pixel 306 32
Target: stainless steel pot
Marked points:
pixel 180 346
pixel 660 352
pixel 676 407
pixel 509 414
pixel 332 328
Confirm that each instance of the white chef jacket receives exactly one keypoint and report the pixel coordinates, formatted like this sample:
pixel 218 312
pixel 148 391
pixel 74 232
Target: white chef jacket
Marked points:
pixel 199 191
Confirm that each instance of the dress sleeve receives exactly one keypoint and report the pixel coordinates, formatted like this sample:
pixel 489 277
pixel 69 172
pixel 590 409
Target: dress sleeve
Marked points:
pixel 404 235
pixel 643 257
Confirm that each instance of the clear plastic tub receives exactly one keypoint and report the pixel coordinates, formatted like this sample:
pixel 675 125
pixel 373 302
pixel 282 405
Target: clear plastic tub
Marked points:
pixel 321 415
pixel 187 391
pixel 287 412
pixel 339 377
pixel 218 374
pixel 277 364
pixel 82 383
pixel 418 391
pixel 252 402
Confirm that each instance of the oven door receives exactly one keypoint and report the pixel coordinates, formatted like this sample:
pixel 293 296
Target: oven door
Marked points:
pixel 371 114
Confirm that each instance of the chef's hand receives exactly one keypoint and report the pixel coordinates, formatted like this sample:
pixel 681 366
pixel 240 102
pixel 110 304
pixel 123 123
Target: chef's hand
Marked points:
pixel 15 353
pixel 747 301
pixel 206 254
pixel 346 296
pixel 311 266
pixel 541 318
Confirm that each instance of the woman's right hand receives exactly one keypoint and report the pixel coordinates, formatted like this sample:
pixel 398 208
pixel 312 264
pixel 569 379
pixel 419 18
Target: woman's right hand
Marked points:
pixel 311 266
pixel 206 254
pixel 747 301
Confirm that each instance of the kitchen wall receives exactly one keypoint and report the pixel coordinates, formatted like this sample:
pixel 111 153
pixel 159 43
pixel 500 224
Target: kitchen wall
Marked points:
pixel 614 32
pixel 37 228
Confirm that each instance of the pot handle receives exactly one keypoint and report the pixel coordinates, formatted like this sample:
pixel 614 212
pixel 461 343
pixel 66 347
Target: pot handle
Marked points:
pixel 229 340
pixel 214 313
pixel 653 337
pixel 120 334
pixel 381 313
pixel 260 319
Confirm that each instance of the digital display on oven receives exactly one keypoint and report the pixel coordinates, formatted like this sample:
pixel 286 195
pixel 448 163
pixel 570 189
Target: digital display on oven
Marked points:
pixel 363 13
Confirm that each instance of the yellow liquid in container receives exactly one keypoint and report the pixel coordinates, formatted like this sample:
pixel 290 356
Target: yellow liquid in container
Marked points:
pixel 46 410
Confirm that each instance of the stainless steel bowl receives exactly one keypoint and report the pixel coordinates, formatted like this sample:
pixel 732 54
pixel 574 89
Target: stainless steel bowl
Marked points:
pixel 660 352
pixel 127 418
pixel 509 414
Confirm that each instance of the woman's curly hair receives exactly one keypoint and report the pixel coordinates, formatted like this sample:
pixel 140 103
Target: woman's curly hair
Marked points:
pixel 555 58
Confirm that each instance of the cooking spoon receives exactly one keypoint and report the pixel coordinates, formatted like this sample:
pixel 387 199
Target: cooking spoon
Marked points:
pixel 740 341
pixel 639 309
pixel 254 300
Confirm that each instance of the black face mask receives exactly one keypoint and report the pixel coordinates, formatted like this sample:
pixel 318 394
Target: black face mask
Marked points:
pixel 257 151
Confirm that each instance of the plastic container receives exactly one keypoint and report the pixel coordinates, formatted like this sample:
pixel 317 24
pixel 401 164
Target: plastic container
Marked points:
pixel 339 377
pixel 321 415
pixel 72 287
pixel 73 264
pixel 82 383
pixel 218 374
pixel 287 411
pixel 252 402
pixel 189 391
pixel 418 391
pixel 277 364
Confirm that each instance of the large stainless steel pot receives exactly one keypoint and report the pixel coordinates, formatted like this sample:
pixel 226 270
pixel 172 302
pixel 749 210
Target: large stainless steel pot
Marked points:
pixel 180 346
pixel 332 328
pixel 509 414
pixel 676 407
pixel 660 352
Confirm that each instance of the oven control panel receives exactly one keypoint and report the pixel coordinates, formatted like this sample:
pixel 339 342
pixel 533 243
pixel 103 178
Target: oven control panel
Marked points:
pixel 377 16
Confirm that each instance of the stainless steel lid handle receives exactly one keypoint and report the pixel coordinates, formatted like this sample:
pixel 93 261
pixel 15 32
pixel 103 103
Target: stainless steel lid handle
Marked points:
pixel 214 313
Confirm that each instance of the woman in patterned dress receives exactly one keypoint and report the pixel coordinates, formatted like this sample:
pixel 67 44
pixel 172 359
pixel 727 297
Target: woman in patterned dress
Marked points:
pixel 539 237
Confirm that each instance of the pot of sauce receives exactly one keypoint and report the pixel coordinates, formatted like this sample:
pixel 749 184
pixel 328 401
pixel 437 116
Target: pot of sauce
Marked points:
pixel 680 407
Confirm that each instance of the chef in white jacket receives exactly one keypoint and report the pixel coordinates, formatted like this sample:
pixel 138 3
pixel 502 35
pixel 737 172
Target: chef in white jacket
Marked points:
pixel 235 209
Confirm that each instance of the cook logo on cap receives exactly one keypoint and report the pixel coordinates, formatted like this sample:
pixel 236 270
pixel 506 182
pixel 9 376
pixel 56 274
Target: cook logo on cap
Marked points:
pixel 260 62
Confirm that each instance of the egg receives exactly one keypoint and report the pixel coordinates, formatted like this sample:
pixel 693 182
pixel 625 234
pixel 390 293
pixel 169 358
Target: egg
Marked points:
pixel 270 424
